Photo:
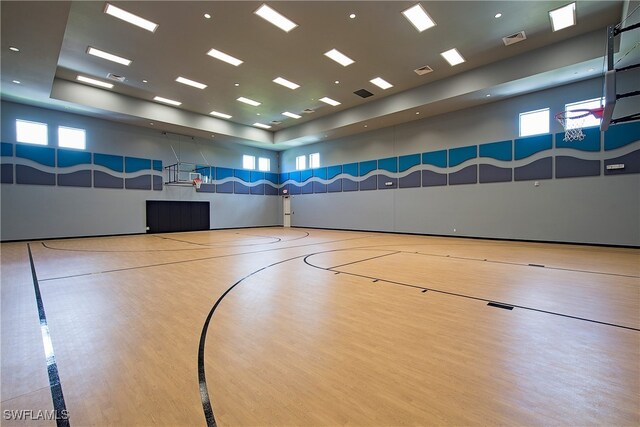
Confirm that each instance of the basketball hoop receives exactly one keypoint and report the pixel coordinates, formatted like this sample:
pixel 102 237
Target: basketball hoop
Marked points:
pixel 197 183
pixel 573 120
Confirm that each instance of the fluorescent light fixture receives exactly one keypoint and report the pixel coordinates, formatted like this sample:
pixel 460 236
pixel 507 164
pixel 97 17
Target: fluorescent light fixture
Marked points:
pixel 108 56
pixel 339 57
pixel 224 57
pixel 130 18
pixel 94 82
pixel 563 17
pixel 280 21
pixel 206 15
pixel 16 82
pixel 329 101
pixel 190 83
pixel 223 115
pixel 14 49
pixel 498 15
pixel 418 17
pixel 292 115
pixel 248 101
pixel 285 82
pixel 381 83
pixel 166 101
pixel 261 125
pixel 453 57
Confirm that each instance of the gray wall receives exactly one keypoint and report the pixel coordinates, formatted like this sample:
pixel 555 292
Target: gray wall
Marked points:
pixel 596 209
pixel 36 211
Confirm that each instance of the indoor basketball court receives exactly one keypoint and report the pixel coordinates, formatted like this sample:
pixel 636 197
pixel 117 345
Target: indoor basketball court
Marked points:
pixel 438 223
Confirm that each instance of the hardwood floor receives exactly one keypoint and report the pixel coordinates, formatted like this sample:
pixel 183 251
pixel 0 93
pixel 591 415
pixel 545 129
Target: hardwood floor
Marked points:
pixel 322 328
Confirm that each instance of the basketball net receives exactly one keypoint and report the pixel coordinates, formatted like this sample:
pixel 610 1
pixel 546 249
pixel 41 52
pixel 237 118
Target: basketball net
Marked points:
pixel 573 121
pixel 197 183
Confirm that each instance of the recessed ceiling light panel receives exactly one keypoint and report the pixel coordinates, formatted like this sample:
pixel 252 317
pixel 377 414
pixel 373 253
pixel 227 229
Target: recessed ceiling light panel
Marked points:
pixel 419 17
pixel 248 101
pixel 329 101
pixel 14 49
pixel 130 18
pixel 381 83
pixel 94 82
pixel 563 17
pixel 222 115
pixel 339 57
pixel 262 125
pixel 193 83
pixel 286 83
pixel 292 115
pixel 167 101
pixel 453 57
pixel 277 19
pixel 224 57
pixel 108 56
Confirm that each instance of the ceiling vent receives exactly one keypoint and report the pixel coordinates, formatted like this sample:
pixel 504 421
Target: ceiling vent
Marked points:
pixel 308 111
pixel 276 122
pixel 363 93
pixel 115 77
pixel 514 38
pixel 423 70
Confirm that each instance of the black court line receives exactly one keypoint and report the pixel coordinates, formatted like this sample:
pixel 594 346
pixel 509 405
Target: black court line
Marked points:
pixel 59 406
pixel 393 282
pixel 223 244
pixel 204 246
pixel 204 393
pixel 363 260
pixel 189 260
pixel 202 381
pixel 524 265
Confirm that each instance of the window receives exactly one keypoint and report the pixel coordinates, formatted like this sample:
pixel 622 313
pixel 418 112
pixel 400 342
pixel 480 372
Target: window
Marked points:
pixel 31 132
pixel 71 138
pixel 264 164
pixel 588 121
pixel 301 162
pixel 314 160
pixel 248 162
pixel 534 122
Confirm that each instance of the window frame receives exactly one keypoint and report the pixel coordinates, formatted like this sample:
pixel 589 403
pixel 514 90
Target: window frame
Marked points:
pixel 268 164
pixel 311 162
pixel 246 157
pixel 301 159
pixel 528 113
pixel 26 141
pixel 590 120
pixel 84 138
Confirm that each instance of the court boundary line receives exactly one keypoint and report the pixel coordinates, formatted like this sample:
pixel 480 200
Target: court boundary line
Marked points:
pixel 55 386
pixel 187 260
pixel 202 382
pixel 499 239
pixel 409 285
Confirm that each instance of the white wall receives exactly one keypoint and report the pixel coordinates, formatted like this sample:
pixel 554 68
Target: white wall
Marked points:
pixel 34 211
pixel 602 209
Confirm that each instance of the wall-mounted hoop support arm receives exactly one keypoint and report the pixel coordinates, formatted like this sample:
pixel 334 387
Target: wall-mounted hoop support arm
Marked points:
pixel 630 67
pixel 617 31
pixel 629 118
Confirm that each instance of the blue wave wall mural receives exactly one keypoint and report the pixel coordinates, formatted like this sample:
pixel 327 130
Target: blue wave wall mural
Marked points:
pixel 522 159
pixel 37 165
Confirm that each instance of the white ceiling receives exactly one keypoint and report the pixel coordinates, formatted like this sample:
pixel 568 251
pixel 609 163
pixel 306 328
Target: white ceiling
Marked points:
pixel 53 38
